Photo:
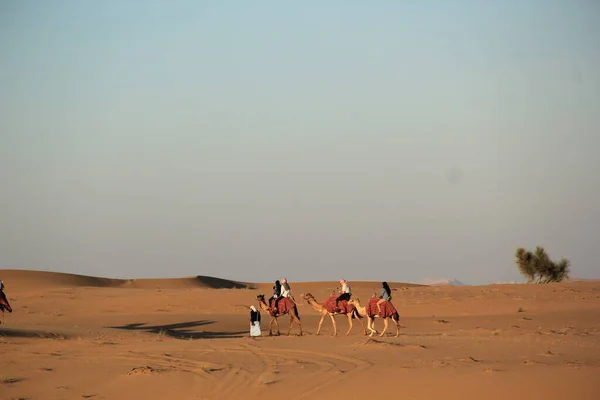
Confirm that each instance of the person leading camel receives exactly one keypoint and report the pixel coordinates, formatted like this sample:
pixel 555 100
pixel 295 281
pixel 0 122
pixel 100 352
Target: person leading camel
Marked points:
pixel 254 322
pixel 345 293
pixel 386 295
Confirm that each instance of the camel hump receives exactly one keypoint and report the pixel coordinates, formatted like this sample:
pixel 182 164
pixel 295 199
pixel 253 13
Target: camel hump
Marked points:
pixel 343 306
pixel 387 308
pixel 284 305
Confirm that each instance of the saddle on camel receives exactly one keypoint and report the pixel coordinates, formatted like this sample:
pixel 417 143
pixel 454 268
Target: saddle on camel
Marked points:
pixel 387 309
pixel 284 305
pixel 342 308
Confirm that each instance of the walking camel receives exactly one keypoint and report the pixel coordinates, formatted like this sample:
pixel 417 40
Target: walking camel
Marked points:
pixel 284 306
pixel 388 311
pixel 328 308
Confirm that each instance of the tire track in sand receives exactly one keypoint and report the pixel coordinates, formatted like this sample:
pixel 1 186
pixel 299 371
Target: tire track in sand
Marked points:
pixel 167 361
pixel 325 362
pixel 236 377
pixel 337 361
pixel 220 385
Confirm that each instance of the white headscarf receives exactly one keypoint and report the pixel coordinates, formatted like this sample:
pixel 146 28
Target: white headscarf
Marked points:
pixel 253 308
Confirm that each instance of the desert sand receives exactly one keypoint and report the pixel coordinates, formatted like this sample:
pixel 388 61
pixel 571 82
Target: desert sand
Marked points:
pixel 74 337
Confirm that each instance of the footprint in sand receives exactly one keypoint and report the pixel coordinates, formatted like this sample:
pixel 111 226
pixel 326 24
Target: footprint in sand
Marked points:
pixel 147 370
pixel 268 378
pixel 490 370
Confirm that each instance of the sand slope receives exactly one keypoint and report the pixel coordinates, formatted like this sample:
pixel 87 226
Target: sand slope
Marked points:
pixel 45 279
pixel 73 337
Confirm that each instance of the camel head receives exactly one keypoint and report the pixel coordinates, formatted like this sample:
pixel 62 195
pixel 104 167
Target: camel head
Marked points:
pixel 307 296
pixel 261 298
pixel 355 302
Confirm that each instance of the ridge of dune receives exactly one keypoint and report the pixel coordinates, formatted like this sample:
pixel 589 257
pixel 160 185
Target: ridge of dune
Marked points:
pixel 25 277
pixel 18 277
pixel 49 278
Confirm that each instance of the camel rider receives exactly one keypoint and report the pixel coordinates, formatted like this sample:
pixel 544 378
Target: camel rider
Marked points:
pixel 276 296
pixel 345 293
pixel 386 295
pixel 286 291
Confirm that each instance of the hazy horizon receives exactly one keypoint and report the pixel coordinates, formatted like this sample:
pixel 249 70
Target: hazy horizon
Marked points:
pixel 396 141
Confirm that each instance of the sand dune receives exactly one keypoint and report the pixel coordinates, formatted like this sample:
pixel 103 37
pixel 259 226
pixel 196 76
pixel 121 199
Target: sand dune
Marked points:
pixel 45 279
pixel 29 278
pixel 73 337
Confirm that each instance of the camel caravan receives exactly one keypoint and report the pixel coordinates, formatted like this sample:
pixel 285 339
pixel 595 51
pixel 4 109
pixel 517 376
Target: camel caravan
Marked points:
pixel 282 302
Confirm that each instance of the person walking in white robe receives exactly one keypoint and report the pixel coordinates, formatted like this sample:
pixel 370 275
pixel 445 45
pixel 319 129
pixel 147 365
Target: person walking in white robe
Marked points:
pixel 254 322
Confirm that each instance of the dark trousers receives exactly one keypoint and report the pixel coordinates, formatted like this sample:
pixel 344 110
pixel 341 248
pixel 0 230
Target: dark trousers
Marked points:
pixel 343 296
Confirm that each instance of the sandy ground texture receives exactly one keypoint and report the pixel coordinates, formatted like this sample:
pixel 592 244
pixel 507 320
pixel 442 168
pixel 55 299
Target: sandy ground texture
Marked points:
pixel 75 337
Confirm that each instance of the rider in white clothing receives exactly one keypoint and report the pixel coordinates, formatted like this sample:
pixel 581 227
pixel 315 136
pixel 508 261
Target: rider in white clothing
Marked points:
pixel 286 291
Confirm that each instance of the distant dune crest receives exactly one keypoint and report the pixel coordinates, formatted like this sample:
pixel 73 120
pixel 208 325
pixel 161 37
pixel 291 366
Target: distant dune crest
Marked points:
pixel 45 279
pixel 13 277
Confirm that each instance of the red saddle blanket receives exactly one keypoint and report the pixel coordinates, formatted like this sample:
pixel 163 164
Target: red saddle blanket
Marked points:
pixel 387 308
pixel 343 305
pixel 284 305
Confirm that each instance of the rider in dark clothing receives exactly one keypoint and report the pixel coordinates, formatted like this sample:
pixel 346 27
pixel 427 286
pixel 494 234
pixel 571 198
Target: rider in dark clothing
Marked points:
pixel 386 295
pixel 276 295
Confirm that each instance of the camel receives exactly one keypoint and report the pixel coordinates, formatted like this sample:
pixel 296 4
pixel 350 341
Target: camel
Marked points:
pixel 285 306
pixel 321 308
pixel 4 304
pixel 370 311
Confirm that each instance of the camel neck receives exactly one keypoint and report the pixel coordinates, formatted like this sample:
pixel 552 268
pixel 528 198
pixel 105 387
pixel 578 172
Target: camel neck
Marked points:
pixel 314 304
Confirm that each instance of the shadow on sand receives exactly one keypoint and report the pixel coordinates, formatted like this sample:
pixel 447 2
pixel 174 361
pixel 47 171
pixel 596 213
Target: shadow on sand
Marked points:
pixel 30 333
pixel 181 330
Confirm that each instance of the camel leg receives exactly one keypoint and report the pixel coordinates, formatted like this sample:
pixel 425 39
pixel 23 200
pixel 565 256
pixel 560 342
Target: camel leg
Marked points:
pixel 291 322
pixel 349 323
pixel 362 325
pixel 334 324
pixel 361 322
pixel 321 322
pixel 375 329
pixel 372 326
pixel 277 325
pixel 297 318
pixel 385 326
pixel 397 327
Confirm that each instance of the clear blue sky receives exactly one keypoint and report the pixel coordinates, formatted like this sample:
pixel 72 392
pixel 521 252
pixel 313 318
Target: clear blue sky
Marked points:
pixel 390 140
